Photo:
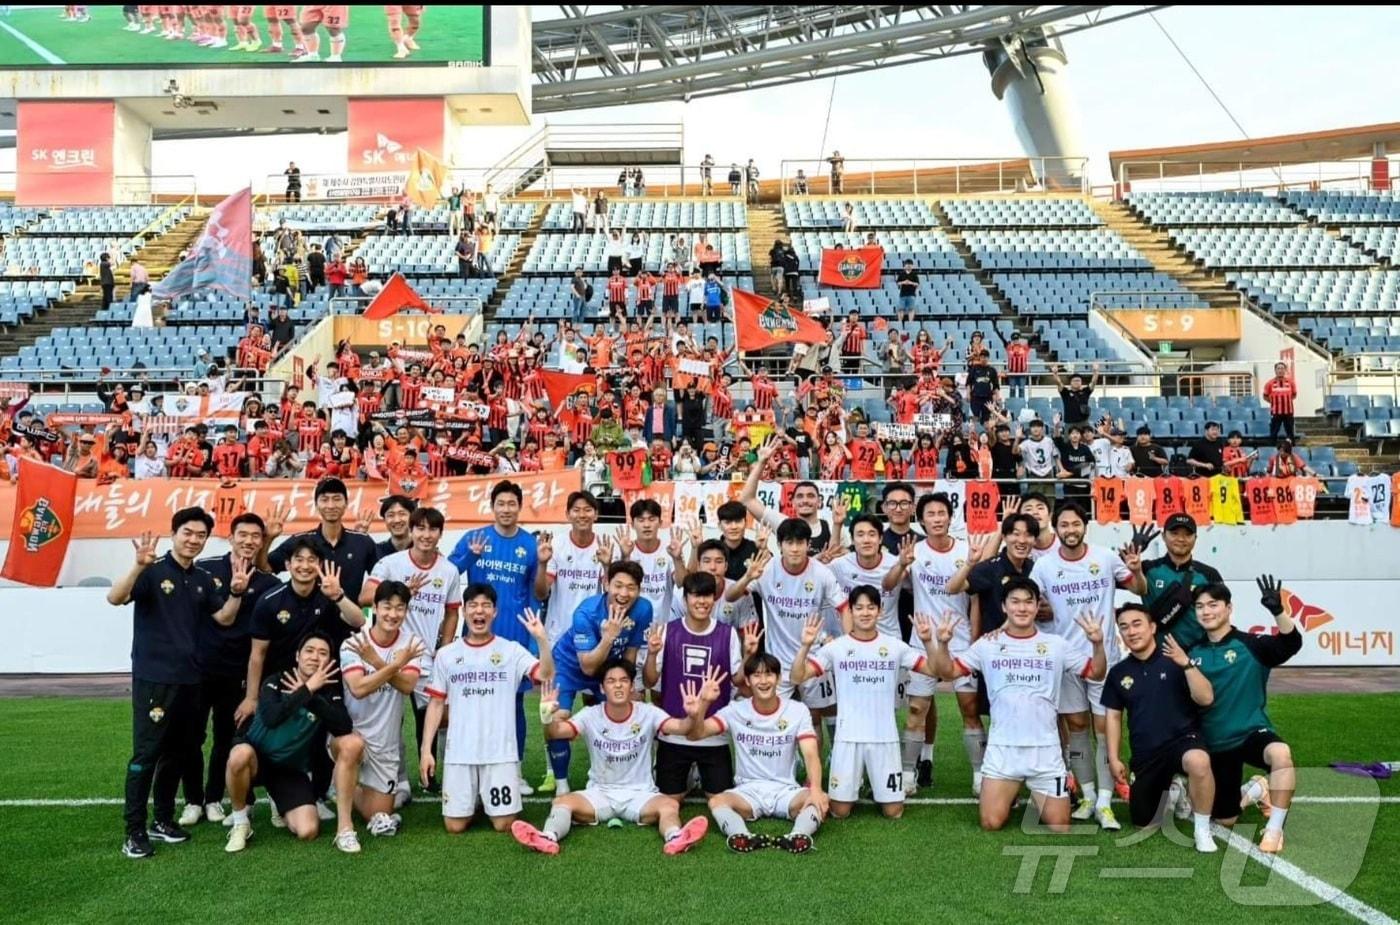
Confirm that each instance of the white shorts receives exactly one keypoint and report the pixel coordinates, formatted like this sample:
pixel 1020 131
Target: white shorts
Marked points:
pixel 817 693
pixel 881 764
pixel 496 786
pixel 1042 767
pixel 380 768
pixel 769 799
pixel 618 802
pixel 1080 695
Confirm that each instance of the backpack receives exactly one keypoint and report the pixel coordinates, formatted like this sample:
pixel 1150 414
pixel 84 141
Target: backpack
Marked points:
pixel 588 293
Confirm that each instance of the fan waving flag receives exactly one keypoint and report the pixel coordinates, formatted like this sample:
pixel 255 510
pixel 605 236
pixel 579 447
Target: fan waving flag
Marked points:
pixel 559 386
pixel 42 525
pixel 762 323
pixel 425 180
pixel 222 259
pixel 396 295
pixel 852 268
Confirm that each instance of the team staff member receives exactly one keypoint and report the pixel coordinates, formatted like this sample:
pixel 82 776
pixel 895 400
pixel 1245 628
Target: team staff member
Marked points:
pixel 1237 729
pixel 1163 692
pixel 223 661
pixel 353 552
pixel 738 549
pixel 172 596
pixel 394 511
pixel 1173 580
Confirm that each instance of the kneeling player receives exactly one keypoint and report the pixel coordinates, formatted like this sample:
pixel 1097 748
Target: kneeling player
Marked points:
pixel 865 665
pixel 1022 669
pixel 475 677
pixel 381 668
pixel 621 737
pixel 1163 692
pixel 767 731
pixel 294 714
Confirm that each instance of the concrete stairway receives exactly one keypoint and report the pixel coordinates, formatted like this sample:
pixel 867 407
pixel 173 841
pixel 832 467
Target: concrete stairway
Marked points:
pixel 766 225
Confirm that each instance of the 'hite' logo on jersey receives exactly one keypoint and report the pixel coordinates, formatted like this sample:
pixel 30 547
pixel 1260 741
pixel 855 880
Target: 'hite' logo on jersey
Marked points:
pixel 386 149
pixel 39 525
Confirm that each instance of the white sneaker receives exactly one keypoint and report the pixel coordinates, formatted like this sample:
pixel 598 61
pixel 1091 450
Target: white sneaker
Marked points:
pixel 1083 810
pixel 309 56
pixel 214 812
pixel 324 812
pixel 347 842
pixel 218 43
pixel 1180 800
pixel 911 784
pixel 1106 820
pixel 525 789
pixel 977 783
pixel 382 825
pixel 277 821
pixel 238 836
pixel 1205 844
pixel 190 815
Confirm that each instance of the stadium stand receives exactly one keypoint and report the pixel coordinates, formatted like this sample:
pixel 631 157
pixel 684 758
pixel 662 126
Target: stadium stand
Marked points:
pixel 1020 213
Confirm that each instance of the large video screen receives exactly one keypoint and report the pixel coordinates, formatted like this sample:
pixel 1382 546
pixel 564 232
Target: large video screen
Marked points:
pixel 242 36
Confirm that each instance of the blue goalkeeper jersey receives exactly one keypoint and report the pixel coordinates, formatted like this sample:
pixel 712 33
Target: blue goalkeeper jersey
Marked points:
pixel 587 631
pixel 508 564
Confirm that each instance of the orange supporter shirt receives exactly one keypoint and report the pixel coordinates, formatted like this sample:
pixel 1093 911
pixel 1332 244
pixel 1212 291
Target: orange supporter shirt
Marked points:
pixel 1196 493
pixel 1141 494
pixel 1285 501
pixel 1170 498
pixel 1108 500
pixel 1260 493
pixel 553 460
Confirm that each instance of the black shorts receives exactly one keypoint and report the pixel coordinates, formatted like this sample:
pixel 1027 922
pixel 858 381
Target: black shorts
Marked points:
pixel 1228 769
pixel 671 303
pixel 1152 778
pixel 614 263
pixel 673 764
pixel 287 787
pixel 645 307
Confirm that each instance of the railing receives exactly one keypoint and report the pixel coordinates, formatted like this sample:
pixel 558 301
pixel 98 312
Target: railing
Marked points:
pixel 70 378
pixel 129 190
pixel 1365 382
pixel 872 176
pixel 1246 176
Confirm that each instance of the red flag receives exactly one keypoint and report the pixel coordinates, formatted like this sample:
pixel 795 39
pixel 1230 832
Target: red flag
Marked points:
pixel 559 386
pixel 396 295
pixel 852 267
pixel 42 526
pixel 763 323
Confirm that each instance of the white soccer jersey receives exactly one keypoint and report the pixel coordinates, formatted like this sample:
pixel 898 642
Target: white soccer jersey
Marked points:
pixel 479 684
pixel 1022 679
pixel 866 672
pixel 738 614
pixel 1102 448
pixel 1072 588
pixel 619 752
pixel 1039 456
pixel 1379 486
pixel 788 600
pixel 429 605
pixel 658 577
pixel 378 717
pixel 578 575
pixel 765 744
pixel 1050 550
pixel 929 577
pixel 849 573
pixel 1359 499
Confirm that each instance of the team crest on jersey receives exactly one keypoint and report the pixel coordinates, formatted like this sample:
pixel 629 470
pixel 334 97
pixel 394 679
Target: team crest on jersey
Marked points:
pixel 808 587
pixel 782 725
pixel 1230 657
pixel 959 562
pixel 635 728
pixel 835 782
pixel 437 582
pixel 495 658
pixel 1127 683
pixel 1093 568
pixel 218 582
pixel 520 552
pixel 157 714
pixel 168 586
pixel 1041 648
pixel 884 651
pixel 283 616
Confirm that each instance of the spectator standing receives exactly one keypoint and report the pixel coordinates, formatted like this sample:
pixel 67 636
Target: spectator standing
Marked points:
pixel 848 218
pixel 792 271
pixel 1018 366
pixel 578 202
pixel 466 256
pixel 315 268
pixel 982 386
pixel 775 264
pixel 281 329
pixel 800 185
pixel 293 175
pixel 736 179
pixel 751 180
pixel 1280 392
pixel 490 206
pixel 707 166
pixel 908 282
pixel 1207 455
pixel 454 211
pixel 106 279
pixel 1149 459
pixel 852 339
pixel 140 279
pixel 838 172
pixel 335 277
pixel 580 292
pixel 1074 396
pixel 600 213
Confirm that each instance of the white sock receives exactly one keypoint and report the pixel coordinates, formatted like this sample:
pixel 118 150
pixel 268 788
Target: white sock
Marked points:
pixel 1275 823
pixel 559 822
pixel 1103 776
pixel 1200 822
pixel 807 822
pixel 913 744
pixel 1252 792
pixel 1081 763
pixel 729 822
pixel 671 833
pixel 926 752
pixel 975 743
pixel 239 816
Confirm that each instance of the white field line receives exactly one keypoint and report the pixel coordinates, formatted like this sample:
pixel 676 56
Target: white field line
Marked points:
pixel 32 45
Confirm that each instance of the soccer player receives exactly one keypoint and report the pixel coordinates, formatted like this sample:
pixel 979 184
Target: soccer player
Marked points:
pixel 1081 578
pixel 336 19
pixel 1237 729
pixel 1023 669
pixel 222 653
pixel 171 597
pixel 767 731
pixel 245 30
pixel 663 568
pixel 738 549
pixel 585 558
pixel 866 666
pixel 1034 504
pixel 927 567
pixel 792 587
pixel 398 17
pixel 684 650
pixel 280 19
pixel 507 558
pixel 394 511
pixel 806 503
pixel 434 585
pixel 1163 692
pixel 711 557
pixel 1173 580
pixel 475 678
pixel 619 734
pixel 611 625
pixel 897 504
pixel 296 710
pixel 379 667
pixel 868 563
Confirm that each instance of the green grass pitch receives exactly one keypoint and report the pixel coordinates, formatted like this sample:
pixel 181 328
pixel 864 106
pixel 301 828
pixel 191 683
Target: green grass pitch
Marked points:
pixel 448 33
pixel 62 864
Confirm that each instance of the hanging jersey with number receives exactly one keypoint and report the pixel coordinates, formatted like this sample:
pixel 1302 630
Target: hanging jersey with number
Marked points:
pixel 1285 501
pixel 1225 506
pixel 956 490
pixel 1108 500
pixel 1171 498
pixel 1196 495
pixel 1380 497
pixel 1141 494
pixel 1358 500
pixel 983 499
pixel 228 504
pixel 1260 493
pixel 626 469
pixel 1305 492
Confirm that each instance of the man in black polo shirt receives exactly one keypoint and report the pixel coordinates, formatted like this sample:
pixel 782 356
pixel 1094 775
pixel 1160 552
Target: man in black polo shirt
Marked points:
pixel 1149 459
pixel 353 552
pixel 738 549
pixel 172 596
pixel 1163 692
pixel 1006 456
pixel 222 654
pixel 982 385
pixel 897 504
pixel 1172 582
pixel 1074 397
pixel 395 510
pixel 1207 456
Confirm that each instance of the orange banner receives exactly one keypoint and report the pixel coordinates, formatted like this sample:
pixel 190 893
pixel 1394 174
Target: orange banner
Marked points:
pixel 385 133
pixel 41 524
pixel 129 508
pixel 64 152
pixel 1181 325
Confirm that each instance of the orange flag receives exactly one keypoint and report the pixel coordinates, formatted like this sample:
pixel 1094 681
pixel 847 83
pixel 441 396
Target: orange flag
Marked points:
pixel 42 524
pixel 426 180
pixel 853 267
pixel 396 295
pixel 559 386
pixel 764 323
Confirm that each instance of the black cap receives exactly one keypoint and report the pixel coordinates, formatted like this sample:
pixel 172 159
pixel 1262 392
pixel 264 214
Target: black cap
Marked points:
pixel 1180 522
pixel 330 486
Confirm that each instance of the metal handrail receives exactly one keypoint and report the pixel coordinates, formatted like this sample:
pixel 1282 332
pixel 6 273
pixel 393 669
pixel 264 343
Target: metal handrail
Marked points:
pixel 1350 172
pixel 1009 172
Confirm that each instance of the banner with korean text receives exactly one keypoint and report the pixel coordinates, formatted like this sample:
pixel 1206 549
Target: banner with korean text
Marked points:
pixel 63 153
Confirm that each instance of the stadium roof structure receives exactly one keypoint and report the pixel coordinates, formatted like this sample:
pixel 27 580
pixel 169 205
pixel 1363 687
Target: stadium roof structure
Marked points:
pixel 1304 148
pixel 647 54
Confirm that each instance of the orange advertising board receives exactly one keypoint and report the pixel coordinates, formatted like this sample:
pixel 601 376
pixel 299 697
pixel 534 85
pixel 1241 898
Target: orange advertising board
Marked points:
pixel 385 134
pixel 64 153
pixel 1180 325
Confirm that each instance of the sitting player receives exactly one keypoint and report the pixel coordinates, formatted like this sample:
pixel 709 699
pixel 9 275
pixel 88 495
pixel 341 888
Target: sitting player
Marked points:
pixel 621 737
pixel 767 731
